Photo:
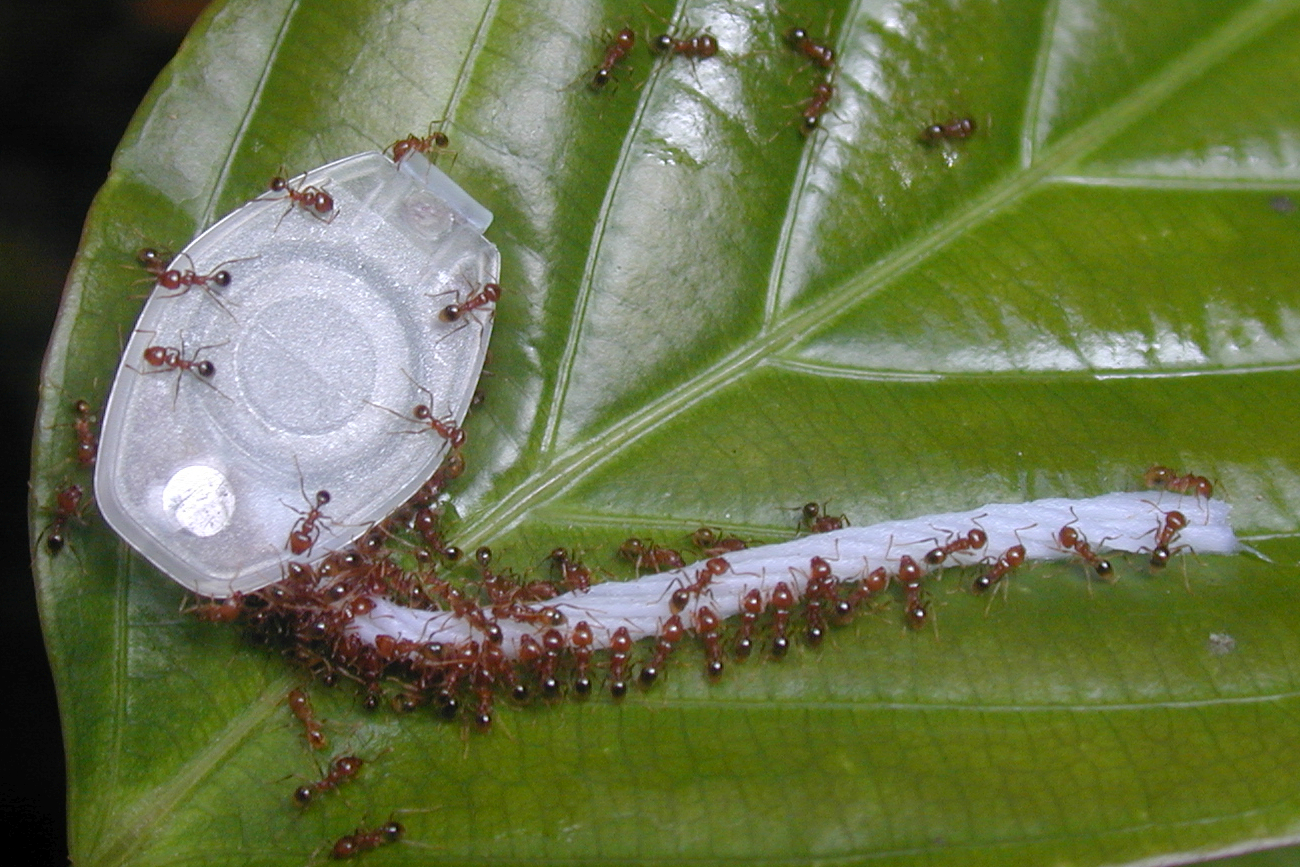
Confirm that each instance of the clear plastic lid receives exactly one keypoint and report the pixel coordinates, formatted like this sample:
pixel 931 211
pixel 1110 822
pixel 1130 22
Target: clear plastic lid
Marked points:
pixel 298 372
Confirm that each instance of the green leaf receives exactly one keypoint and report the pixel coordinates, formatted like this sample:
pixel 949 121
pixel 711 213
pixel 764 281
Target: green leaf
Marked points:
pixel 711 319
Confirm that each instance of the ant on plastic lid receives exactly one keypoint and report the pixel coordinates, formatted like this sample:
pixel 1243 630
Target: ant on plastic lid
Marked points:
pixel 163 359
pixel 312 199
pixel 434 140
pixel 306 530
pixel 422 415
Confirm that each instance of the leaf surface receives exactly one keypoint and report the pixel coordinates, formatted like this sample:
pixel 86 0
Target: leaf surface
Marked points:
pixel 711 319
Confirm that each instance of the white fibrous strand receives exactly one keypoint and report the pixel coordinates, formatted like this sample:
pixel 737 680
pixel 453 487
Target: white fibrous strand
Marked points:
pixel 1121 522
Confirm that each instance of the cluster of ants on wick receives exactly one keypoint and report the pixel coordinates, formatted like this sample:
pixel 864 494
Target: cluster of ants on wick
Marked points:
pixel 307 615
pixel 821 56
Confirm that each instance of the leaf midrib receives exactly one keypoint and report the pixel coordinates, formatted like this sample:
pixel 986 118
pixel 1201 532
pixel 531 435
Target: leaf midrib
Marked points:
pixel 567 469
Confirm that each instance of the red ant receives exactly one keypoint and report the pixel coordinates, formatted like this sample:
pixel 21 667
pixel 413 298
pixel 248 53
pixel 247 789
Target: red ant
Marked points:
pixel 699 47
pixel 163 359
pixel 1165 534
pixel 821 588
pixel 707 625
pixel 305 532
pixel 170 358
pixel 616 51
pixel 713 568
pixel 620 647
pixel 873 584
pixel 362 840
pixel 1163 477
pixel 416 144
pixel 817 520
pixel 782 603
pixel 67 507
pixel 341 770
pixel 669 635
pixel 956 128
pixel 1072 540
pixel 751 607
pixel 87 445
pixel 822 93
pixel 311 199
pixel 650 555
pixel 909 575
pixel 575 575
pixel 422 415
pixel 713 543
pixel 446 429
pixel 300 705
pixel 178 282
pixel 1010 559
pixel 218 611
pixel 489 294
pixel 972 541
pixel 582 640
pixel 822 55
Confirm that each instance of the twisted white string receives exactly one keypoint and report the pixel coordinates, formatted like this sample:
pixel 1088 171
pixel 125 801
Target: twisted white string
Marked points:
pixel 1126 522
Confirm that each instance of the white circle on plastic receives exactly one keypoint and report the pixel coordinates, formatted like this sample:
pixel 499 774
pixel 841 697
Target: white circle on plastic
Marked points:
pixel 200 499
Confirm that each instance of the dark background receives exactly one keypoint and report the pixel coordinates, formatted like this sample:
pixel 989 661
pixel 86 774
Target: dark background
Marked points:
pixel 71 76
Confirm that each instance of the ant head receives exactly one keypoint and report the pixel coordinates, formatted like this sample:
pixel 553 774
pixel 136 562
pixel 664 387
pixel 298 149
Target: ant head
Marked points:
pixel 205 369
pixel 278 184
pixel 661 44
pixel 795 35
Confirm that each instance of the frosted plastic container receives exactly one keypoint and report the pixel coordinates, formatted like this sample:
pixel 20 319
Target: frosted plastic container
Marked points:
pixel 302 374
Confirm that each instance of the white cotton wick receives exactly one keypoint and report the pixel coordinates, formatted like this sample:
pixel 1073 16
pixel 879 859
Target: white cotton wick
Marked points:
pixel 1129 522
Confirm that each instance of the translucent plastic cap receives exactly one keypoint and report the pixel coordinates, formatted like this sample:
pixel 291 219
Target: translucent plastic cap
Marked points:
pixel 300 370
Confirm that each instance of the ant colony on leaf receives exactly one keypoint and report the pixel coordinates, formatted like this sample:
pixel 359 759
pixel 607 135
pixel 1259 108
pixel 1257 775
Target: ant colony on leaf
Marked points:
pixel 279 442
